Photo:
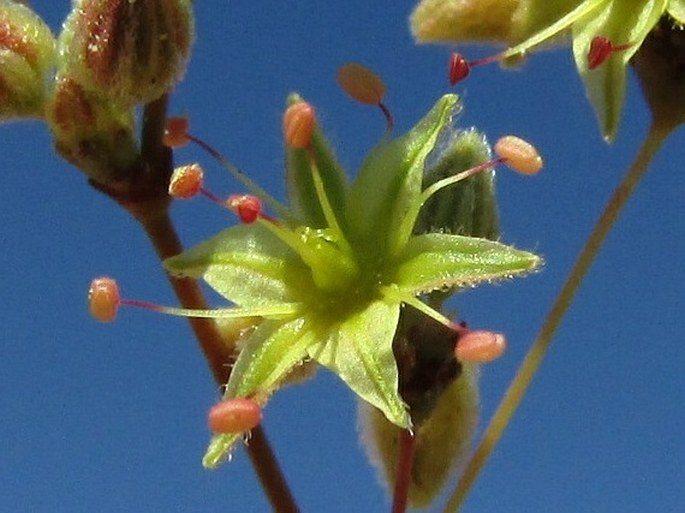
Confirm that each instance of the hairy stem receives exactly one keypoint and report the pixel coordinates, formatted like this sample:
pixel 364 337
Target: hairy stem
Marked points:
pixel 656 136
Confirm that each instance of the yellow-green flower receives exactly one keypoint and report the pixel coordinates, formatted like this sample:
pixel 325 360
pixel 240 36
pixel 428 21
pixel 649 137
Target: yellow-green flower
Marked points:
pixel 330 280
pixel 526 24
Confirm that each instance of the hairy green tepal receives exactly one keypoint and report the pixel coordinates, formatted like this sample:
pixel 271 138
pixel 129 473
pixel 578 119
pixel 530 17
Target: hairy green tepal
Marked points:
pixel 329 280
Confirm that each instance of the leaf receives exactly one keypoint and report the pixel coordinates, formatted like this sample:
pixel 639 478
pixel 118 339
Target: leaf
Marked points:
pixel 553 30
pixel 248 265
pixel 359 350
pixel 621 24
pixel 387 188
pixel 270 353
pixel 676 8
pixel 301 191
pixel 435 260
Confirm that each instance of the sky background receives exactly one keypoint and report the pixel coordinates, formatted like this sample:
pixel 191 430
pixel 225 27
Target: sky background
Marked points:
pixel 112 418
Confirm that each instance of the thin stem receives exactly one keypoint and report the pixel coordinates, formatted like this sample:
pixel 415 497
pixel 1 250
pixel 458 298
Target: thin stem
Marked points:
pixel 147 200
pixel 404 468
pixel 517 389
pixel 265 463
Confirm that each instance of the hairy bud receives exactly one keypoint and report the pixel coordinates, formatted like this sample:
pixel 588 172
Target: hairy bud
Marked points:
pixel 27 52
pixel 91 132
pixel 132 51
pixel 442 440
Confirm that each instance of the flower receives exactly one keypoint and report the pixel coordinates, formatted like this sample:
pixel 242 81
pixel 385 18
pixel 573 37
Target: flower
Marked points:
pixel 330 279
pixel 526 24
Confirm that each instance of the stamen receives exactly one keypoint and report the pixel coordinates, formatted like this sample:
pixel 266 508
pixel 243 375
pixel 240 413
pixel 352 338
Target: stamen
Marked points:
pixel 365 86
pixel 441 184
pixel 299 121
pixel 104 302
pixel 246 206
pixel 460 68
pixel 176 132
pixel 275 205
pixel 186 181
pixel 480 346
pixel 393 293
pixel 519 155
pixel 601 48
pixel 103 299
pixel 235 416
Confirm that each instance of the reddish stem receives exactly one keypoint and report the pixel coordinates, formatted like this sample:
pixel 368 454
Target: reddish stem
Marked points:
pixel 145 196
pixel 404 469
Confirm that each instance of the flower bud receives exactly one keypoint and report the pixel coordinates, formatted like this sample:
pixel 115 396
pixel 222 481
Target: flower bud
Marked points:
pixel 27 52
pixel 468 207
pixel 442 441
pixel 91 132
pixel 132 51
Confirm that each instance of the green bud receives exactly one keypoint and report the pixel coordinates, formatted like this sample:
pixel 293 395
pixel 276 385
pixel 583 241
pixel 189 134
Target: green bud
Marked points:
pixel 442 441
pixel 27 53
pixel 92 132
pixel 468 207
pixel 442 397
pixel 133 51
pixel 465 208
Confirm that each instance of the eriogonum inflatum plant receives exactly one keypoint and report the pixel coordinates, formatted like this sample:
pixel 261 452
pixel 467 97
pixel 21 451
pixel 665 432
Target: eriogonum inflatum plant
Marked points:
pixel 605 35
pixel 328 279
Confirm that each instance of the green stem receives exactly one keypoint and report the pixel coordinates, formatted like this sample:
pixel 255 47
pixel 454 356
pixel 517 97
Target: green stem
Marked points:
pixel 656 136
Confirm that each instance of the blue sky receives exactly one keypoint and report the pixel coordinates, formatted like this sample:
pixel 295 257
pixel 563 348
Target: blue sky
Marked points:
pixel 112 418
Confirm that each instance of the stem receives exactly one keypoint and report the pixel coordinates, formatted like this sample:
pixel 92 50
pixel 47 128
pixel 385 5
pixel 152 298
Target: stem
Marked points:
pixel 404 468
pixel 163 236
pixel 145 197
pixel 270 475
pixel 650 146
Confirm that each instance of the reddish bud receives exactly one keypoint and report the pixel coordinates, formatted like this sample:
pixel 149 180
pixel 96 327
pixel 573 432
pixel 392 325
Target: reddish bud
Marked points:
pixel 27 56
pixel 246 206
pixel 103 299
pixel 186 181
pixel 519 155
pixel 235 416
pixel 361 83
pixel 92 132
pixel 459 68
pixel 299 121
pixel 480 346
pixel 131 51
pixel 176 132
